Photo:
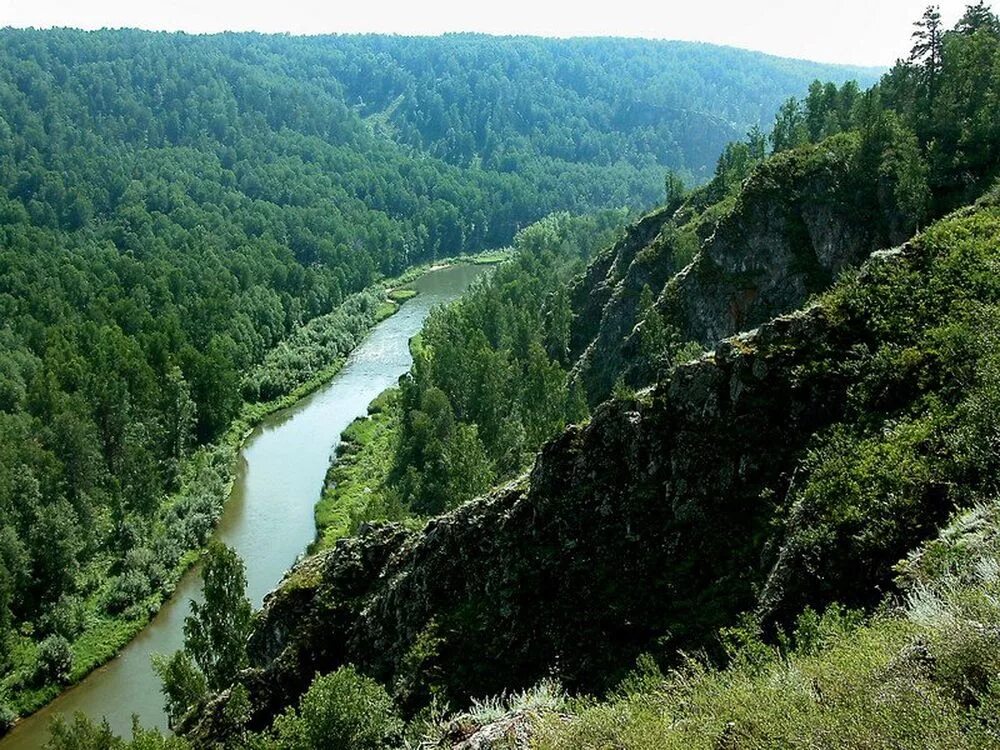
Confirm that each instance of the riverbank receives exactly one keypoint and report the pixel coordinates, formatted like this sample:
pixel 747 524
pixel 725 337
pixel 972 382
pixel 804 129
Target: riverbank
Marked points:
pixel 354 489
pixel 213 466
pixel 208 482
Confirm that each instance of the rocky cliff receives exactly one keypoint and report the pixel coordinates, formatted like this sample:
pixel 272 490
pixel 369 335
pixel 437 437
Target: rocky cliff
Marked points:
pixel 664 517
pixel 800 219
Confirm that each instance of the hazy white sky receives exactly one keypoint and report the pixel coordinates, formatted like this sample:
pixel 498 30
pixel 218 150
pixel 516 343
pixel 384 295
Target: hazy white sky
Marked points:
pixel 871 32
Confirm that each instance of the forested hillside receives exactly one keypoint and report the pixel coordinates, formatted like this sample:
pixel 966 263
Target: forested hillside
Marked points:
pixel 510 102
pixel 172 208
pixel 793 535
pixel 489 384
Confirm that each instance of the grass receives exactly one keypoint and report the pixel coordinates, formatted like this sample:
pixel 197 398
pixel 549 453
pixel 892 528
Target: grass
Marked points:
pixel 491 256
pixel 355 488
pixel 867 688
pixel 401 295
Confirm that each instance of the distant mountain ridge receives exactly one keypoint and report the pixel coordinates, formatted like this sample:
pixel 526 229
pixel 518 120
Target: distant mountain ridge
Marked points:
pixel 680 91
pixel 493 101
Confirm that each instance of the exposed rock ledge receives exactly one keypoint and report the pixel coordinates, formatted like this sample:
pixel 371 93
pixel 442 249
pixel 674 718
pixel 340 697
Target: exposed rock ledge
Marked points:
pixel 649 520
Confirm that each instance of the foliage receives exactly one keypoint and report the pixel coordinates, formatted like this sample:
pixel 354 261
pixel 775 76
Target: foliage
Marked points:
pixel 915 440
pixel 892 385
pixel 341 709
pixel 505 102
pixel 489 380
pixel 174 243
pixel 183 683
pixel 55 660
pixel 791 469
pixel 403 464
pixel 878 166
pixel 84 734
pixel 215 634
pixel 355 489
pixel 674 188
pixel 546 696
pixel 216 631
pixel 7 718
pixel 939 102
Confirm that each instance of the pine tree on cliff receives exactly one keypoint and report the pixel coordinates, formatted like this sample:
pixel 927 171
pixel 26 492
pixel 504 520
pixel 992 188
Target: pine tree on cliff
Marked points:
pixel 928 39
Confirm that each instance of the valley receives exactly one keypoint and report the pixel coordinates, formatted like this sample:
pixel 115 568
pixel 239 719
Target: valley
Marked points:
pixel 704 456
pixel 268 518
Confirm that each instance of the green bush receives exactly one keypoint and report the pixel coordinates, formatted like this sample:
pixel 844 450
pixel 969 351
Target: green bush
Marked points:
pixel 183 684
pixel 7 718
pixel 85 734
pixel 68 617
pixel 340 710
pixel 55 660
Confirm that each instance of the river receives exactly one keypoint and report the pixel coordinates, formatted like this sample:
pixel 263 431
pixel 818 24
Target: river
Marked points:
pixel 268 519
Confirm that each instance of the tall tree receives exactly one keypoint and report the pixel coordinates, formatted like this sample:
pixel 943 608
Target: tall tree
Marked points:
pixel 928 37
pixel 674 188
pixel 215 635
pixel 978 17
pixel 789 126
pixel 216 631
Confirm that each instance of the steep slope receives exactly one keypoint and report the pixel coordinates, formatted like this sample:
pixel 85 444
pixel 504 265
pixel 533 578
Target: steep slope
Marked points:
pixel 919 673
pixel 800 219
pixel 593 289
pixel 765 234
pixel 175 209
pixel 803 459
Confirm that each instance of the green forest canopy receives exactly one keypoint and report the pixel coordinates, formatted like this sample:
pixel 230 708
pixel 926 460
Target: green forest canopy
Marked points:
pixel 173 206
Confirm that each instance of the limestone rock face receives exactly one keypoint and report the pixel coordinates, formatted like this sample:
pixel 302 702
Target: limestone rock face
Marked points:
pixel 799 221
pixel 777 247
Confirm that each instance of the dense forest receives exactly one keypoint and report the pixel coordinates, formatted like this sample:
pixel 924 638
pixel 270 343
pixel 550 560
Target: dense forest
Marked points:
pixel 767 542
pixel 468 414
pixel 508 103
pixel 191 228
pixel 489 382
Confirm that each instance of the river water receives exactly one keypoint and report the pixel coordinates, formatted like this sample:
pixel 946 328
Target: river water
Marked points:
pixel 268 519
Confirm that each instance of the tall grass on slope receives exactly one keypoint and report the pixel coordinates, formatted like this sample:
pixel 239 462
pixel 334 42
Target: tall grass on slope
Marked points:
pixel 925 674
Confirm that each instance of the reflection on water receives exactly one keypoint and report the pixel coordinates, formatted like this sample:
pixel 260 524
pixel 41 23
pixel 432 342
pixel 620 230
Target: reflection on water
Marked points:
pixel 269 517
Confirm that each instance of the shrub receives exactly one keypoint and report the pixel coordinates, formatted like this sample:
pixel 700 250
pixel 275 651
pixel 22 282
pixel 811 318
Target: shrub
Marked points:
pixel 84 734
pixel 55 660
pixel 342 709
pixel 7 718
pixel 131 587
pixel 68 617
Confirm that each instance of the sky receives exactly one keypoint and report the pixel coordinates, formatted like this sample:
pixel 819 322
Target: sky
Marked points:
pixel 861 32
